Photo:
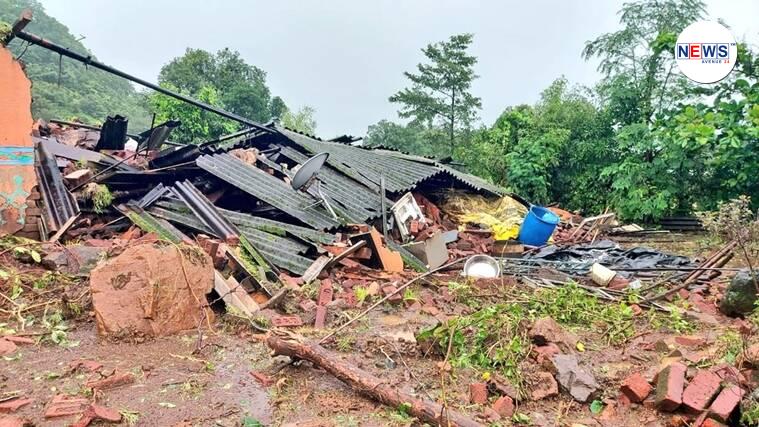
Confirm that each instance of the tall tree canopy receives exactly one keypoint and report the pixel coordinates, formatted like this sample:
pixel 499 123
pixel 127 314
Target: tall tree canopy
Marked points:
pixel 637 61
pixel 63 88
pixel 439 95
pixel 222 79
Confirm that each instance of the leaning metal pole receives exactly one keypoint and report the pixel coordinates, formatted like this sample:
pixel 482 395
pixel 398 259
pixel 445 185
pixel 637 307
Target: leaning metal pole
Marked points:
pixel 87 60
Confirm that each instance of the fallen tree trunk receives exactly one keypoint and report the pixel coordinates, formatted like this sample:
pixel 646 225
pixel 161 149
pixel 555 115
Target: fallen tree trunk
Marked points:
pixel 294 346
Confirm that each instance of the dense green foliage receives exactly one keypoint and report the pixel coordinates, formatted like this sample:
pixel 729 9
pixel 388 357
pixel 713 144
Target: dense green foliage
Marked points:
pixel 645 141
pixel 222 79
pixel 76 91
pixel 302 120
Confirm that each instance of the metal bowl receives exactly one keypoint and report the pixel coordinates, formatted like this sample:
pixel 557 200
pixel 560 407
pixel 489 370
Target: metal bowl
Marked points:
pixel 482 266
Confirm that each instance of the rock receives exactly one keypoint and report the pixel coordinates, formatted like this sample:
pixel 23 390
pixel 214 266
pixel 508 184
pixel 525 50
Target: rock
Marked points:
pixel 740 295
pixel 669 387
pixel 152 290
pixel 74 260
pixel 726 402
pixel 503 386
pixel 636 388
pixel 545 385
pixel 578 382
pixel 504 406
pixel 701 390
pixel 478 393
pixel 545 330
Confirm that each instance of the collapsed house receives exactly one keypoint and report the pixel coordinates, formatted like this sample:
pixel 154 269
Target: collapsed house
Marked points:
pixel 269 210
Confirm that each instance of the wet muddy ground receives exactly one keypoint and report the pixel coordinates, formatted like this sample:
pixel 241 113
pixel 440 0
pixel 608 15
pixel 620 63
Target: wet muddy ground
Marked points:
pixel 176 385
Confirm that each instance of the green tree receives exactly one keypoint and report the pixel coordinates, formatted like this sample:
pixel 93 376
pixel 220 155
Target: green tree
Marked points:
pixel 412 138
pixel 66 89
pixel 234 85
pixel 197 125
pixel 277 107
pixel 637 61
pixel 302 120
pixel 549 152
pixel 440 93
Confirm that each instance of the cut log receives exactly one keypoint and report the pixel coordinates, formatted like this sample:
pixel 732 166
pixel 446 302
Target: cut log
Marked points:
pixel 288 344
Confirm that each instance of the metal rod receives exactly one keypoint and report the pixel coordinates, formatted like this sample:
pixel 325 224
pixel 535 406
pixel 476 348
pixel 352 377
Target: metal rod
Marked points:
pixel 87 60
pixel 383 205
pixel 92 178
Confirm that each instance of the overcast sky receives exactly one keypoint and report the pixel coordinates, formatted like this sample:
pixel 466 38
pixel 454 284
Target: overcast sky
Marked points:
pixel 345 57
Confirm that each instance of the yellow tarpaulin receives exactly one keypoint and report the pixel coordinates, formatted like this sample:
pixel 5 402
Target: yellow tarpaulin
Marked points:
pixel 503 216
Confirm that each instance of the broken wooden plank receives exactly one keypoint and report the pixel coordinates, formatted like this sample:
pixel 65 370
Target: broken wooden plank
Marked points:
pixel 234 295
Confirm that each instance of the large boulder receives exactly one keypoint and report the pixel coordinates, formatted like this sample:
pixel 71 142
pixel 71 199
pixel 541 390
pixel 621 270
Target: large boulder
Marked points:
pixel 152 290
pixel 740 296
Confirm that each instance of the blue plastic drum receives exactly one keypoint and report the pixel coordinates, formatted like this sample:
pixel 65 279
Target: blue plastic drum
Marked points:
pixel 537 226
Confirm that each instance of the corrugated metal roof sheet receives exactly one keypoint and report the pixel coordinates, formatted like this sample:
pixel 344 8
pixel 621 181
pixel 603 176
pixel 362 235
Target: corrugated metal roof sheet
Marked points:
pixel 281 251
pixel 268 189
pixel 366 166
pixel 402 171
pixel 358 202
pixel 270 226
pixel 59 204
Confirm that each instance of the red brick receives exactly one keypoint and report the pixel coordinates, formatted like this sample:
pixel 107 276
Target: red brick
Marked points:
pixel 19 340
pixel 669 387
pixel 504 406
pixel 321 317
pixel 325 292
pixel 726 402
pixel 478 393
pixel 690 340
pixel 545 352
pixel 712 423
pixel 636 388
pixel 307 305
pixel 701 390
pixel 729 374
pixel 13 405
pixel 6 347
pixel 114 380
pixel 62 406
pixel 287 321
pixel 105 414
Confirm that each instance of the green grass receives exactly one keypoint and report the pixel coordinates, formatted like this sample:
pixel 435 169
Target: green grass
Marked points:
pixel 495 337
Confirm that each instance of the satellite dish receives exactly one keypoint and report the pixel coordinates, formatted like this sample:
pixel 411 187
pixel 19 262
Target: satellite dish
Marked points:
pixel 306 175
pixel 308 171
